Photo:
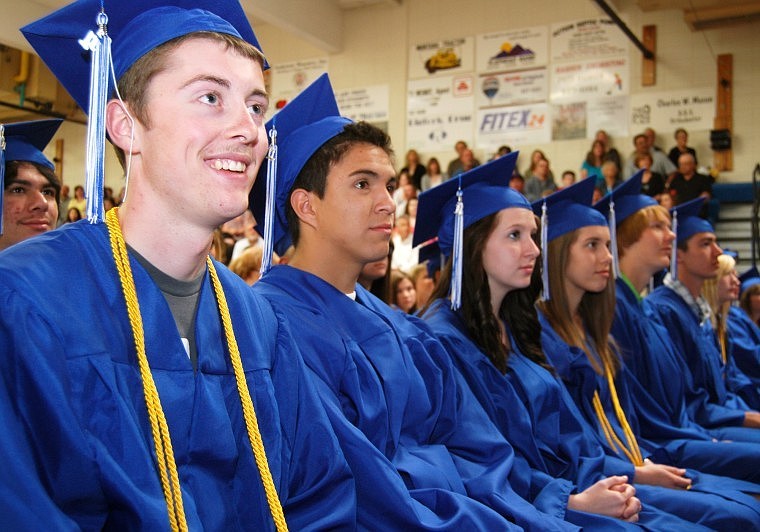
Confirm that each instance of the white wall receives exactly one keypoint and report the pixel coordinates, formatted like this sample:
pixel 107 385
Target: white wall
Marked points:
pixel 377 40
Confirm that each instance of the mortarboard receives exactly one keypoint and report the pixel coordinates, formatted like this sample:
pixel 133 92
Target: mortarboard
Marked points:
pixel 296 133
pixel 749 278
pixel 624 201
pixel 24 141
pixel 75 43
pixel 448 209
pixel 562 212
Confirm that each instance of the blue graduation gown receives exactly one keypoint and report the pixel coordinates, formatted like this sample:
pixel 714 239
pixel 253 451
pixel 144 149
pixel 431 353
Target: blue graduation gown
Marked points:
pixel 711 501
pixel 744 356
pixel 69 365
pixel 530 408
pixel 652 369
pixel 708 401
pixel 423 453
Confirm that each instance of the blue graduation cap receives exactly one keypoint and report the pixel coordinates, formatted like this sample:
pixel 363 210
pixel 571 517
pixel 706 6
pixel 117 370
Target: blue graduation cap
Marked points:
pixel 447 210
pixel 24 141
pixel 624 201
pixel 749 278
pixel 687 223
pixel 296 133
pixel 562 212
pixel 75 43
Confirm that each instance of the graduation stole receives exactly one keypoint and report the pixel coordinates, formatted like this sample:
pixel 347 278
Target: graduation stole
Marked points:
pixel 631 450
pixel 167 466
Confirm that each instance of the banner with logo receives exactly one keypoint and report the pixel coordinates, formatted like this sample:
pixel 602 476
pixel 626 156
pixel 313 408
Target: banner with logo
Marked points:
pixel 446 57
pixel 512 50
pixel 512 88
pixel 439 112
pixel 515 126
pixel 370 104
pixel 587 39
pixel 691 109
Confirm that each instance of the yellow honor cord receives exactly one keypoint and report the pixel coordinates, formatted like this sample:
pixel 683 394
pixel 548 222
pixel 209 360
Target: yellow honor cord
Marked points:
pixel 167 467
pixel 632 450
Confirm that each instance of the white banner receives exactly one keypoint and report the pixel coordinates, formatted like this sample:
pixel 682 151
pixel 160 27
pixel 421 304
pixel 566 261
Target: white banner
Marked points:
pixel 439 112
pixel 515 126
pixel 446 57
pixel 289 79
pixel 512 88
pixel 512 50
pixel 586 39
pixel 583 80
pixel 370 104
pixel 691 109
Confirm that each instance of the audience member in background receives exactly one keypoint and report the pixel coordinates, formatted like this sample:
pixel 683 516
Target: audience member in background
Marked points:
pixel 219 249
pixel 247 265
pixel 535 156
pixel 411 212
pixel 541 182
pixel 468 161
pixel 738 337
pixel 660 163
pixel 250 238
pixel 423 284
pixel 749 300
pixel 73 215
pixel 568 178
pixel 63 204
pixel 31 190
pixel 593 163
pixel 610 153
pixel 376 277
pixel 414 168
pixel 457 166
pixel 405 256
pixel 517 182
pixel 403 294
pixel 433 177
pixel 687 184
pixel 405 190
pixel 682 139
pixel 79 201
pixel 666 200
pixel 651 136
pixel 652 183
pixel 610 178
pixel 501 152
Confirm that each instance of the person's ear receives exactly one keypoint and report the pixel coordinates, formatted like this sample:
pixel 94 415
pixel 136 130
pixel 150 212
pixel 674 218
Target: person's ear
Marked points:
pixel 303 204
pixel 120 125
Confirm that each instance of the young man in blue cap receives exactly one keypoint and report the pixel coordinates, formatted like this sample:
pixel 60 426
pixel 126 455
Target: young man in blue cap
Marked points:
pixel 153 390
pixel 680 308
pixel 31 190
pixel 423 453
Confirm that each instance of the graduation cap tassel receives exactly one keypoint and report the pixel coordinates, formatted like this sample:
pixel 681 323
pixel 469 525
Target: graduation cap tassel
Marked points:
pixel 2 174
pixel 673 253
pixel 99 45
pixel 613 241
pixel 544 251
pixel 266 259
pixel 456 254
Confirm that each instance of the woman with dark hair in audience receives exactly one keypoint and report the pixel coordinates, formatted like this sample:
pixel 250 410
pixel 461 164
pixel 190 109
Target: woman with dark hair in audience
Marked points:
pixel 593 163
pixel 403 294
pixel 434 175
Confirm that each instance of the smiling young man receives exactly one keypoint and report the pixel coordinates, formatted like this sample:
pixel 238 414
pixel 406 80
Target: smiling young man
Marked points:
pixel 423 453
pixel 31 188
pixel 152 388
pixel 680 308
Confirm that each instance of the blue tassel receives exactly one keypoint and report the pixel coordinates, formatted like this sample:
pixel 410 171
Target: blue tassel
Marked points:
pixel 545 251
pixel 266 259
pixel 674 252
pixel 456 254
pixel 99 45
pixel 613 241
pixel 2 174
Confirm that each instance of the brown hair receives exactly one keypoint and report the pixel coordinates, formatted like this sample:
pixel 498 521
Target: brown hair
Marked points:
pixel 597 310
pixel 517 308
pixel 630 230
pixel 133 84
